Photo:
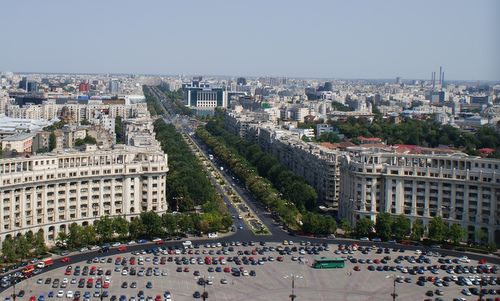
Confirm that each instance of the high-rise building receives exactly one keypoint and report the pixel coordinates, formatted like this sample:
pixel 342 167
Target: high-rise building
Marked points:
pixel 114 86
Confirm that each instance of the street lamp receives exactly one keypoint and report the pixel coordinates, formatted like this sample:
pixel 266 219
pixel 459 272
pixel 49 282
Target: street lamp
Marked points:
pixel 394 277
pixel 204 295
pixel 292 295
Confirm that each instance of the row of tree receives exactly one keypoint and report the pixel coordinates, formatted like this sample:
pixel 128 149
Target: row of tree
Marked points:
pixel 23 246
pixel 188 184
pixel 400 227
pixel 421 132
pixel 264 189
pixel 176 101
pixel 292 187
pixel 154 106
pixel 148 225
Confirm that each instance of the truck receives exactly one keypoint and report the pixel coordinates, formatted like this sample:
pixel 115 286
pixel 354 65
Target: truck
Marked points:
pixel 45 263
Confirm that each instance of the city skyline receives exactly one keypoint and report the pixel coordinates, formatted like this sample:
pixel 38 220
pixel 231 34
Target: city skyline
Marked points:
pixel 385 40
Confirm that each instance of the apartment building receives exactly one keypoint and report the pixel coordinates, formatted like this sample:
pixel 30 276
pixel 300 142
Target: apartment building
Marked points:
pixel 422 185
pixel 317 165
pixel 49 192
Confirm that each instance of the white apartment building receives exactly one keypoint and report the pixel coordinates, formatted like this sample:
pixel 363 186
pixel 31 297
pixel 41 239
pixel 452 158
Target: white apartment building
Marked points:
pixel 49 192
pixel 459 188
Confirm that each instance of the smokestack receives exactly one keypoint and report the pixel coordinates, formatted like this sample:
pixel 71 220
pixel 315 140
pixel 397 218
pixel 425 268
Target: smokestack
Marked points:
pixel 442 79
pixel 433 79
pixel 440 75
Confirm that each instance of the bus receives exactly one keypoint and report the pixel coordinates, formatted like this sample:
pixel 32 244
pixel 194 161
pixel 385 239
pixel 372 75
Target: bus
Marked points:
pixel 328 263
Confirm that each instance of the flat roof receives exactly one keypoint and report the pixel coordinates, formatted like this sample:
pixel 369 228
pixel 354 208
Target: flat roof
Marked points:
pixel 18 137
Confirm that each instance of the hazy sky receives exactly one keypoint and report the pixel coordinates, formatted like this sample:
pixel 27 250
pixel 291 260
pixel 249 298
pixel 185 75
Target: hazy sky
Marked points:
pixel 330 38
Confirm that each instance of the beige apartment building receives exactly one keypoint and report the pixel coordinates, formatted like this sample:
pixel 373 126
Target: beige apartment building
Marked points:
pixel 49 192
pixel 455 186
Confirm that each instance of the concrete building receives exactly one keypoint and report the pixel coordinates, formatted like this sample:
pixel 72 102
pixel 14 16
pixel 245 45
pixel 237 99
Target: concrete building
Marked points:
pixel 20 143
pixel 203 95
pixel 49 192
pixel 421 184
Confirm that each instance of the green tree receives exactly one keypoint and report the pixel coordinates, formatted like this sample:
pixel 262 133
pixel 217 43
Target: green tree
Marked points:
pixel 22 247
pixel 119 130
pixel 417 230
pixel 8 250
pixel 104 228
pixel 120 226
pixel 30 239
pixel 456 233
pixel 52 141
pixel 186 223
pixel 152 224
pixel 169 223
pixel 75 237
pixel 39 243
pixel 136 228
pixel 89 235
pixel 401 227
pixel 345 225
pixel 437 229
pixel 364 227
pixel 383 226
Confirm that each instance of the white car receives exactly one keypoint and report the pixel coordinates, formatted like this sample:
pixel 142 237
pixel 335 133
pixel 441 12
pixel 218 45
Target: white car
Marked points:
pixel 464 259
pixel 132 242
pixel 466 292
pixel 116 244
pixel 156 240
pixel 124 272
pixel 65 280
pixel 418 252
pixel 60 294
pixel 69 294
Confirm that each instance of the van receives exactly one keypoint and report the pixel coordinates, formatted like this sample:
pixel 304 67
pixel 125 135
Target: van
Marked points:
pixel 212 235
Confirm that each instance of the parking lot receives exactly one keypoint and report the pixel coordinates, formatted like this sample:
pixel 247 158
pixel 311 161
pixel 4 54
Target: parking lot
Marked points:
pixel 228 269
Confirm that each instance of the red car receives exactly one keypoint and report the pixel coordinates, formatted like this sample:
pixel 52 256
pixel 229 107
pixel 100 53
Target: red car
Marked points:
pixel 32 298
pixel 227 270
pixel 158 298
pixel 357 269
pixel 280 258
pixel 65 259
pixel 160 242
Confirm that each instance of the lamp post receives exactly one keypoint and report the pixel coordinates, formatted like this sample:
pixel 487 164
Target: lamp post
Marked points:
pixel 394 277
pixel 292 295
pixel 177 198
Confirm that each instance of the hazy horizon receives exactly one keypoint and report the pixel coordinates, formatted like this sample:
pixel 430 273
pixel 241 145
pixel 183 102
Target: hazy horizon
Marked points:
pixel 315 39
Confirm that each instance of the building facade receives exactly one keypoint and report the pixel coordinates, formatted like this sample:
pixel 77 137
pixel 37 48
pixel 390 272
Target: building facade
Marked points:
pixel 49 192
pixel 459 188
